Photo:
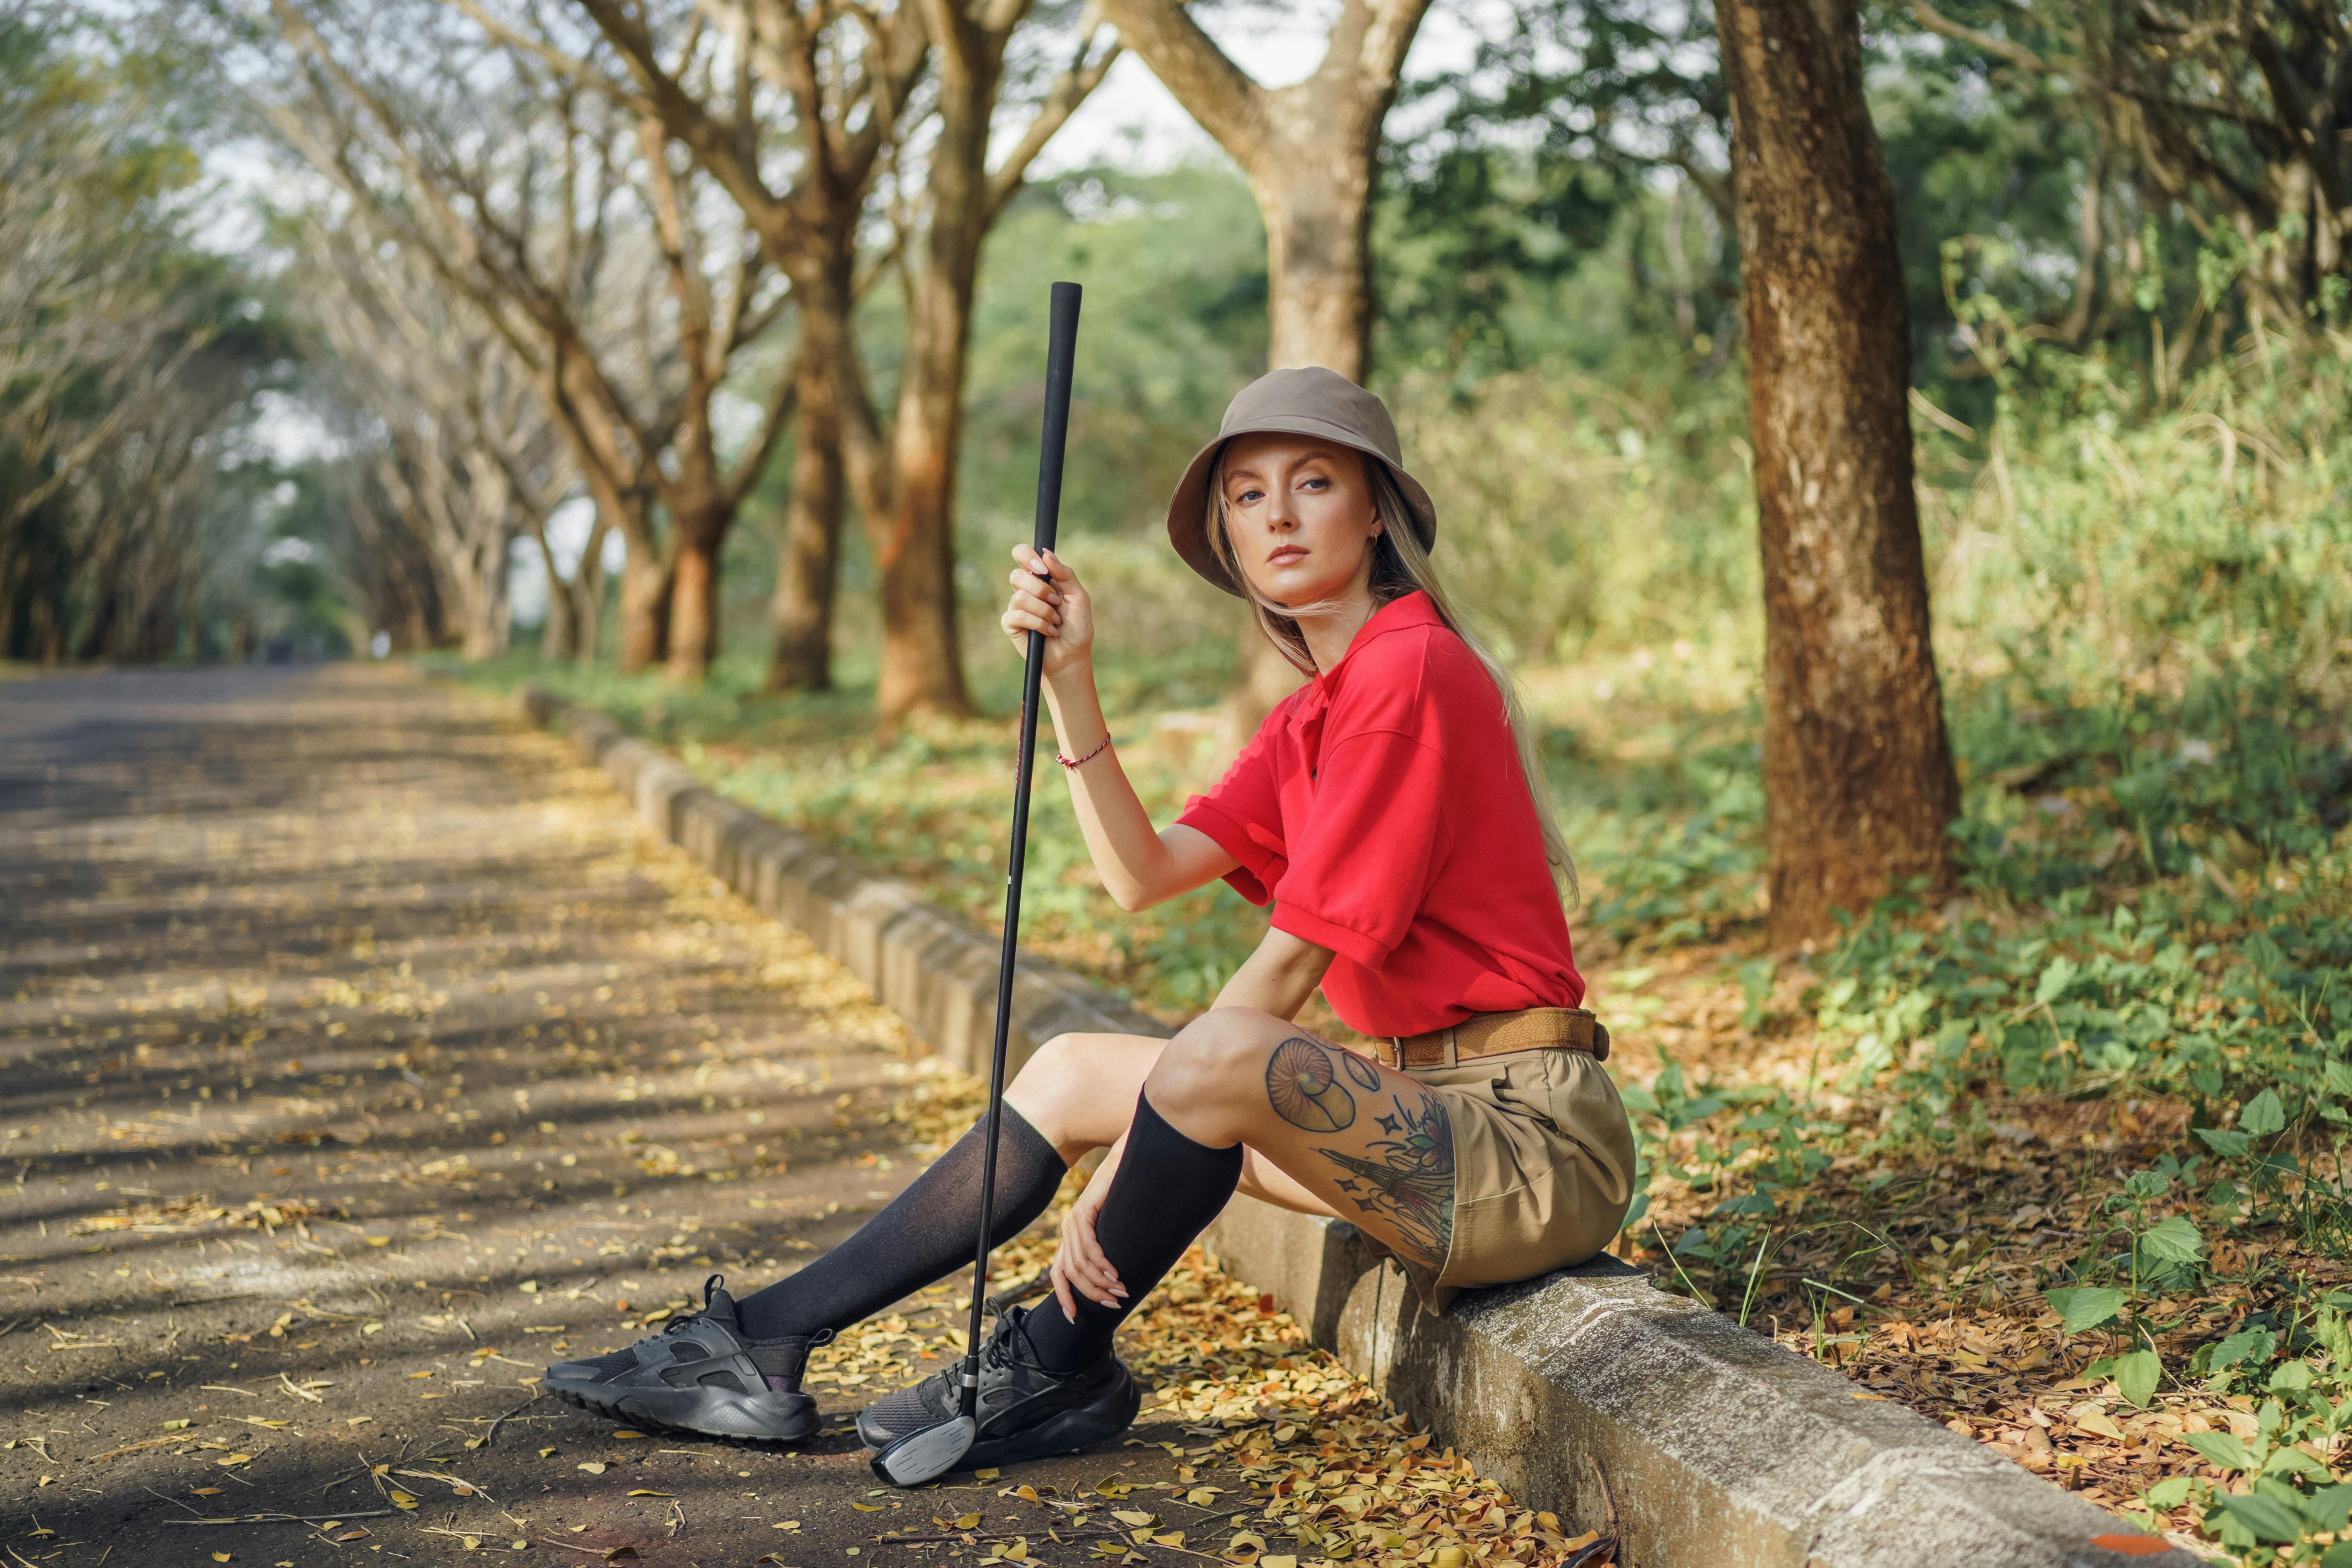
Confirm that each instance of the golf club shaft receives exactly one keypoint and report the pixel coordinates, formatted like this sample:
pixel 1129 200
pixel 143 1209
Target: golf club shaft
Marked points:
pixel 1061 343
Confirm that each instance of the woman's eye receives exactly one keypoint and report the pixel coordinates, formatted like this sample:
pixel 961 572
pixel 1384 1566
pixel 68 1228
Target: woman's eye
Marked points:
pixel 1249 498
pixel 1317 483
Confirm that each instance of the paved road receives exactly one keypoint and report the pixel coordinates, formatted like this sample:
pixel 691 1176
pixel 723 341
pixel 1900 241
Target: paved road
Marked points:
pixel 358 1055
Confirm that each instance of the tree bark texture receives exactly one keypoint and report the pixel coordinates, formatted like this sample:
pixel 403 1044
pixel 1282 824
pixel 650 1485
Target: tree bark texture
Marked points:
pixel 694 595
pixel 1858 778
pixel 801 614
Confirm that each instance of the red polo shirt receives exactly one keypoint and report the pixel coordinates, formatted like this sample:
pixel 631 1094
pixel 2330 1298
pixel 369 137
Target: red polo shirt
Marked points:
pixel 1381 810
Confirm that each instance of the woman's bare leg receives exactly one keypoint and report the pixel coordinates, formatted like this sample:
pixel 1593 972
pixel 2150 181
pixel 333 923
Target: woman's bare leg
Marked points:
pixel 1079 1090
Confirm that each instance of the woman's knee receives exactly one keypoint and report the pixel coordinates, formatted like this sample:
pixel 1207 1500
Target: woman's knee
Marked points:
pixel 1069 1089
pixel 1214 1065
pixel 1049 1081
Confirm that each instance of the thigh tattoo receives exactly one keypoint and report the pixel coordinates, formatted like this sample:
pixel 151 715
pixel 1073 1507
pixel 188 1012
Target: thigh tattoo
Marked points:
pixel 1303 1086
pixel 1411 1184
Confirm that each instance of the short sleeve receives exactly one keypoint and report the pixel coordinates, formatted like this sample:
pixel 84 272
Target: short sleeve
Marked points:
pixel 1362 867
pixel 1244 813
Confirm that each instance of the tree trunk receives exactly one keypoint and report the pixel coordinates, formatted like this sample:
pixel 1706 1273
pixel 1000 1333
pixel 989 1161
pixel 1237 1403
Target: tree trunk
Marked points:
pixel 922 661
pixel 588 590
pixel 485 606
pixel 1318 252
pixel 922 657
pixel 645 614
pixel 802 610
pixel 696 541
pixel 559 639
pixel 1858 777
pixel 645 576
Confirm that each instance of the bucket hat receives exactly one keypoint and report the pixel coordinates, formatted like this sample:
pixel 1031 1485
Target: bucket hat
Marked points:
pixel 1308 401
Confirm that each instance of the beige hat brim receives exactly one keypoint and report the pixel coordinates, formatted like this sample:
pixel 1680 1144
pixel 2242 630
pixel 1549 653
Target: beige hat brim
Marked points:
pixel 1188 509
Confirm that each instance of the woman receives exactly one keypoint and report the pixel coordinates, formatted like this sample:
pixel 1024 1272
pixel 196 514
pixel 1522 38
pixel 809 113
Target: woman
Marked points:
pixel 1392 812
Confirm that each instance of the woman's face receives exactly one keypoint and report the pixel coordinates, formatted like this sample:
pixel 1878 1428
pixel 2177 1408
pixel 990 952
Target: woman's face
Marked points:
pixel 1299 512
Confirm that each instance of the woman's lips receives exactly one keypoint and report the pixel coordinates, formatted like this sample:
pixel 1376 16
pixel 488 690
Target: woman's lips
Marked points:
pixel 1286 554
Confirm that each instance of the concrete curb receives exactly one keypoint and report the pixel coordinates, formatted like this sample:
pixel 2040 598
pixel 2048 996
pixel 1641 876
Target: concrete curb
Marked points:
pixel 1587 1392
pixel 1719 1447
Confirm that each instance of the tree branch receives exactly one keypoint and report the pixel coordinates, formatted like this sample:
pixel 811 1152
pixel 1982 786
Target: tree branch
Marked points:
pixel 1229 105
pixel 1070 90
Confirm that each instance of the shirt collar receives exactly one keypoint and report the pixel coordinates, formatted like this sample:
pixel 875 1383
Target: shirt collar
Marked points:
pixel 1409 610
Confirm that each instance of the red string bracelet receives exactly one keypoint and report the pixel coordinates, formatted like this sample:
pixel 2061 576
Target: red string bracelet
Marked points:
pixel 1090 756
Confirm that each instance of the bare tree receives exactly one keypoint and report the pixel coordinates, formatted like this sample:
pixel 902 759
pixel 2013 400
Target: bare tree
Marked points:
pixel 1858 778
pixel 388 573
pixel 148 517
pixel 91 332
pixel 473 459
pixel 1311 153
pixel 116 380
pixel 520 217
pixel 896 98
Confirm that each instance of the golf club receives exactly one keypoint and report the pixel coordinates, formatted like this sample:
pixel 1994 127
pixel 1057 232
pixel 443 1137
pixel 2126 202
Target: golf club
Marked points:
pixel 926 1455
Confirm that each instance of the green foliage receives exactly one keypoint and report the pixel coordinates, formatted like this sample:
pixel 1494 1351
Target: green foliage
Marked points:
pixel 2279 1502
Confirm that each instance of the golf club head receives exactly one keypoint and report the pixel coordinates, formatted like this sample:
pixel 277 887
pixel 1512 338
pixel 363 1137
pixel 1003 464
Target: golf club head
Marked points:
pixel 926 1455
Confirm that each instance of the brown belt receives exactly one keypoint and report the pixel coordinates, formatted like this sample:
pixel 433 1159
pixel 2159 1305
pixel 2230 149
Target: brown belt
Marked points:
pixel 1498 1033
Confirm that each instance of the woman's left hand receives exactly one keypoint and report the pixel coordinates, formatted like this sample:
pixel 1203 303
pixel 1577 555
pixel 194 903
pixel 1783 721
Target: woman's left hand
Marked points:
pixel 1079 1266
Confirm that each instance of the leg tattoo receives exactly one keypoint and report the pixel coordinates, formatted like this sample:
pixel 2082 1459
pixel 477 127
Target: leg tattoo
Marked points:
pixel 1411 1185
pixel 1301 1083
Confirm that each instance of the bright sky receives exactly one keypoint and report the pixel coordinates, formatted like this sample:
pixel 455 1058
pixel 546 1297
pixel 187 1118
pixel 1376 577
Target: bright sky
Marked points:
pixel 1132 122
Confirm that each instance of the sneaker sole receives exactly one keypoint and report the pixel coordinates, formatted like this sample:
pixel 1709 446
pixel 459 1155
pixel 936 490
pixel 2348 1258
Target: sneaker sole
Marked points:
pixel 1066 1433
pixel 703 1412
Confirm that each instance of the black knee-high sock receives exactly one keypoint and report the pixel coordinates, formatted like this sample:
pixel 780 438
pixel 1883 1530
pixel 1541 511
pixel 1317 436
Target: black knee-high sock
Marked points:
pixel 1167 1191
pixel 925 1234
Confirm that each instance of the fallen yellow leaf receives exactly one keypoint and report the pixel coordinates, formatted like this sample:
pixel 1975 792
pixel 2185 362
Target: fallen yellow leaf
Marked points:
pixel 594 1467
pixel 647 1491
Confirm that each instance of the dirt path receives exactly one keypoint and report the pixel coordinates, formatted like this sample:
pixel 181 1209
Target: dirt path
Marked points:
pixel 361 1055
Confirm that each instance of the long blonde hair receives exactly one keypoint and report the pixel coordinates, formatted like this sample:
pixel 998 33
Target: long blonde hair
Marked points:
pixel 1400 566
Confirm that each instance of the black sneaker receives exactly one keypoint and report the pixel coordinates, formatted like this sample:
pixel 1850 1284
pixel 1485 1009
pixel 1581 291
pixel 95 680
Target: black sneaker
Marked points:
pixel 1026 1412
pixel 699 1374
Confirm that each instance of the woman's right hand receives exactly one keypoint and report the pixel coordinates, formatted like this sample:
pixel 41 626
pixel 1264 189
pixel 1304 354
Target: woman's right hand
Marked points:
pixel 1048 597
pixel 1080 1265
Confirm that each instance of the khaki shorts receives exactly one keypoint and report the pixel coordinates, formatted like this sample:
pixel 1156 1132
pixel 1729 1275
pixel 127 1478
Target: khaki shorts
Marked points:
pixel 1543 1168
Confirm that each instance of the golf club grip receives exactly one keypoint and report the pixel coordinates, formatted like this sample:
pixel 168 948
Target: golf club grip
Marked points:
pixel 1061 356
